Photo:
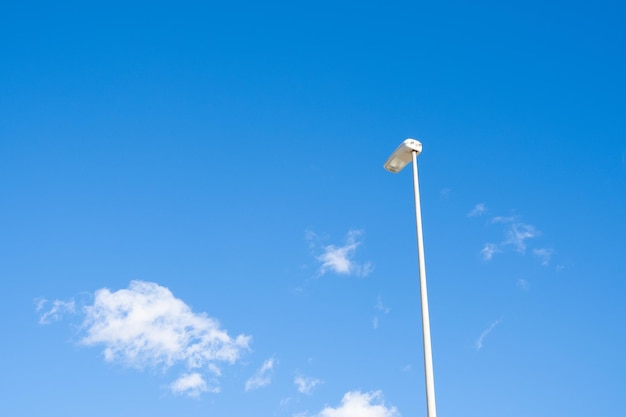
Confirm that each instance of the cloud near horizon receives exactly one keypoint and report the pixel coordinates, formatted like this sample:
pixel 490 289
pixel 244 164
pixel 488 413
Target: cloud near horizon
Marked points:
pixel 146 326
pixel 358 404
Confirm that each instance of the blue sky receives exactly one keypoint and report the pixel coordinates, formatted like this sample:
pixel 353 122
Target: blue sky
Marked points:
pixel 195 219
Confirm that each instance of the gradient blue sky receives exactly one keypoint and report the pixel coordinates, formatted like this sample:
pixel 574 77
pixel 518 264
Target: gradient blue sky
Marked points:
pixel 195 220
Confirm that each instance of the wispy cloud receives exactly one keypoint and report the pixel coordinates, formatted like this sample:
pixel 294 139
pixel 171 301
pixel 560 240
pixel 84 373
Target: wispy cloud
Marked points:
pixel 444 193
pixel 375 322
pixel 478 210
pixel 504 219
pixel 56 310
pixel 262 376
pixel 305 384
pixel 523 284
pixel 340 259
pixel 144 325
pixel 479 342
pixel 544 255
pixel 382 308
pixel 358 404
pixel 516 235
pixel 489 250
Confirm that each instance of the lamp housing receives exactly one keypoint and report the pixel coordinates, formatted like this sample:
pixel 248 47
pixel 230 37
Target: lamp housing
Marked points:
pixel 403 155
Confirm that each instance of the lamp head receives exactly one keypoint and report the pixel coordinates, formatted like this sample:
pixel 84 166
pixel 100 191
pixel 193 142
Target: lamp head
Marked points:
pixel 403 155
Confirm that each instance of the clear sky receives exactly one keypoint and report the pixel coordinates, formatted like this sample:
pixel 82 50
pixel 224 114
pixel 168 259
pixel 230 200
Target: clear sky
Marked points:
pixel 195 219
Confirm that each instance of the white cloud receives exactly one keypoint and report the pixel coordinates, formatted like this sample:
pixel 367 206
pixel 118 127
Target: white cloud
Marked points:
pixel 56 311
pixel 544 255
pixel 357 404
pixel 375 322
pixel 340 259
pixel 485 333
pixel 145 325
pixel 478 210
pixel 306 385
pixel 444 193
pixel 192 385
pixel 263 375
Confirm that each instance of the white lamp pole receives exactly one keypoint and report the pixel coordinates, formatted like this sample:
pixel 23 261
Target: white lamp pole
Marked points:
pixel 407 151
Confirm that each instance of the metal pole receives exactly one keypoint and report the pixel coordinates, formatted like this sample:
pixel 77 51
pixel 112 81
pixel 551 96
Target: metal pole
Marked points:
pixel 428 353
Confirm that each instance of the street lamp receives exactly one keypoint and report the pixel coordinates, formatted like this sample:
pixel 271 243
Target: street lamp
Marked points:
pixel 407 151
